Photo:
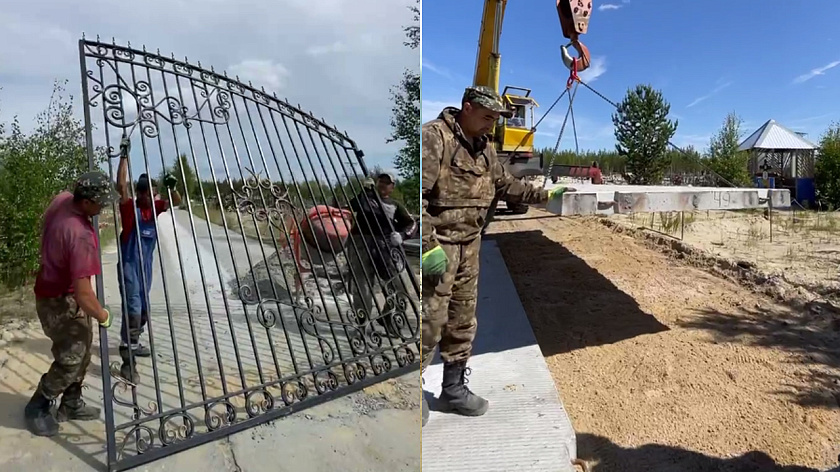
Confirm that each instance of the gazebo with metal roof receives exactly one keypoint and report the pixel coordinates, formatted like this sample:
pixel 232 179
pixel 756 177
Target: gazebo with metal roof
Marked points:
pixel 784 153
pixel 786 157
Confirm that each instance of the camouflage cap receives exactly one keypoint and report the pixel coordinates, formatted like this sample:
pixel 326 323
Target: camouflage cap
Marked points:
pixel 96 187
pixel 488 98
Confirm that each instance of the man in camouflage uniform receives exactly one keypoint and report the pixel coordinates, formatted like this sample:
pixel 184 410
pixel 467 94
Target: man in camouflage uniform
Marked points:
pixel 461 175
pixel 66 302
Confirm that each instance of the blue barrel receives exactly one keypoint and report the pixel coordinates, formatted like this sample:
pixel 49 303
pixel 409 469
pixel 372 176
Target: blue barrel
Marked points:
pixel 806 192
pixel 761 183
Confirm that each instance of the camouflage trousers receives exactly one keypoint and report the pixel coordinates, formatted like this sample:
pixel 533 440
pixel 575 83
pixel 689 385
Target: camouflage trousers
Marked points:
pixel 449 320
pixel 364 280
pixel 71 333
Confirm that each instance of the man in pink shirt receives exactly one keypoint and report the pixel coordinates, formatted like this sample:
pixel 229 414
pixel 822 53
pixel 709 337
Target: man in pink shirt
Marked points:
pixel 65 301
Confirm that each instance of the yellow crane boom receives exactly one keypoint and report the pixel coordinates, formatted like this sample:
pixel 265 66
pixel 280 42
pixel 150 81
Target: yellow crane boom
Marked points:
pixel 513 137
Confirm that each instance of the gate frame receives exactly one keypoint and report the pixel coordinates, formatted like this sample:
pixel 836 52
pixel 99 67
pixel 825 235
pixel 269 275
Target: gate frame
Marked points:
pixel 113 464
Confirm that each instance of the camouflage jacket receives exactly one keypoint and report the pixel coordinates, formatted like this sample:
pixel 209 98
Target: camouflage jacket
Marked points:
pixel 459 182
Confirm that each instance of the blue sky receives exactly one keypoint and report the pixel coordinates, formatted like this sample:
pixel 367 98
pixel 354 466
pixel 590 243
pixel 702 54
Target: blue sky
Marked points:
pixel 708 58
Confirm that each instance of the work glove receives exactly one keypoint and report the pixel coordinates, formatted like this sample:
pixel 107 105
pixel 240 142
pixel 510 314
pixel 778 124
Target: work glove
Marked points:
pixel 557 192
pixel 396 239
pixel 125 147
pixel 434 262
pixel 169 181
pixel 107 323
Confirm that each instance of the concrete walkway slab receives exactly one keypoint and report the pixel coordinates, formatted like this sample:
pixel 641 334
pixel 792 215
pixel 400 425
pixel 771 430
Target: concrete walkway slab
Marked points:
pixel 527 427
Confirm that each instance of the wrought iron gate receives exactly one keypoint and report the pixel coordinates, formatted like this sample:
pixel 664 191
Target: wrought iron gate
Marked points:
pixel 252 313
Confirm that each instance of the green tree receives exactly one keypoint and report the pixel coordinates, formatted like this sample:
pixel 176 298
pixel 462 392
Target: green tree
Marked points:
pixel 33 169
pixel 188 184
pixel 827 169
pixel 642 132
pixel 405 121
pixel 723 157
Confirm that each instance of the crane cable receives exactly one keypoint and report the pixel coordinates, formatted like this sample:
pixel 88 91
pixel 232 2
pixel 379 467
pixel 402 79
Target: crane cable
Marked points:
pixel 573 79
pixel 670 143
pixel 576 80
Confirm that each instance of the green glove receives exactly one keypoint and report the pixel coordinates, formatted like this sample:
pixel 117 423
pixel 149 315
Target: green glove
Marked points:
pixel 107 323
pixel 434 261
pixel 170 181
pixel 556 192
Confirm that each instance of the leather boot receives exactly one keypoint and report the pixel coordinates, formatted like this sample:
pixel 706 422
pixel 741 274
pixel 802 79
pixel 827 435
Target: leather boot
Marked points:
pixel 126 370
pixel 39 420
pixel 456 396
pixel 73 407
pixel 140 350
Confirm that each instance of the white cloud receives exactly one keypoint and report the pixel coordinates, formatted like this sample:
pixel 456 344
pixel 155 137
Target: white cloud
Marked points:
pixel 337 46
pixel 597 68
pixel 262 73
pixel 427 65
pixel 334 57
pixel 430 109
pixel 815 72
pixel 609 6
pixel 721 85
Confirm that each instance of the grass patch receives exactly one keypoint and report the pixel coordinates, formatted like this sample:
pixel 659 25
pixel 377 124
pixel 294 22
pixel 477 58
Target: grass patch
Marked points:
pixel 668 222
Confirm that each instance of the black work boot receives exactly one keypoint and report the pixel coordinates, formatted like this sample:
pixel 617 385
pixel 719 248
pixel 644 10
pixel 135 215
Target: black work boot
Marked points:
pixel 140 350
pixel 73 407
pixel 128 370
pixel 456 396
pixel 39 420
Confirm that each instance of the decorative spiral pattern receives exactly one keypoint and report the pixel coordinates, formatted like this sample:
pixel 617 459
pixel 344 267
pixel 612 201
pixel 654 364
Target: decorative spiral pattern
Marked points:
pixel 144 440
pixel 405 356
pixel 122 387
pixel 266 316
pixel 307 321
pixel 293 392
pixel 325 381
pixel 357 340
pixel 215 419
pixel 169 433
pixel 354 372
pixel 258 402
pixel 380 364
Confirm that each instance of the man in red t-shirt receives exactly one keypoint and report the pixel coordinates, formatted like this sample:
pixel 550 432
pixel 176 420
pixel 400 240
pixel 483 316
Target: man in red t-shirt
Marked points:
pixel 138 239
pixel 65 301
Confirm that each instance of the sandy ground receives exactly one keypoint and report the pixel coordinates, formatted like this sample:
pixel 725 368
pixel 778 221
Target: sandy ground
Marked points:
pixel 666 367
pixel 805 250
pixel 376 429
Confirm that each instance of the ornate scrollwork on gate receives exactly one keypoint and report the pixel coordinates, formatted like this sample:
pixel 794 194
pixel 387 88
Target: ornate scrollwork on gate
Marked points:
pixel 241 350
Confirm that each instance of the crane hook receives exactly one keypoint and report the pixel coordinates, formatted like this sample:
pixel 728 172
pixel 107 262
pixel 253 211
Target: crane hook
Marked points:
pixel 582 60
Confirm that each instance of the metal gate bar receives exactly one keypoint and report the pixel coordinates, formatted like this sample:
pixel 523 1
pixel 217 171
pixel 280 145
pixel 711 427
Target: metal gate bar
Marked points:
pixel 279 320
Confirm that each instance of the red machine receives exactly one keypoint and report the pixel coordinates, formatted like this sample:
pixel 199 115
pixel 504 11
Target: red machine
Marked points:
pixel 582 172
pixel 326 227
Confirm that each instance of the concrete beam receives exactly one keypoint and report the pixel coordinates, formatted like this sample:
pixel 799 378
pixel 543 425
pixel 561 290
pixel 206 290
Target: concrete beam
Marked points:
pixel 592 199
